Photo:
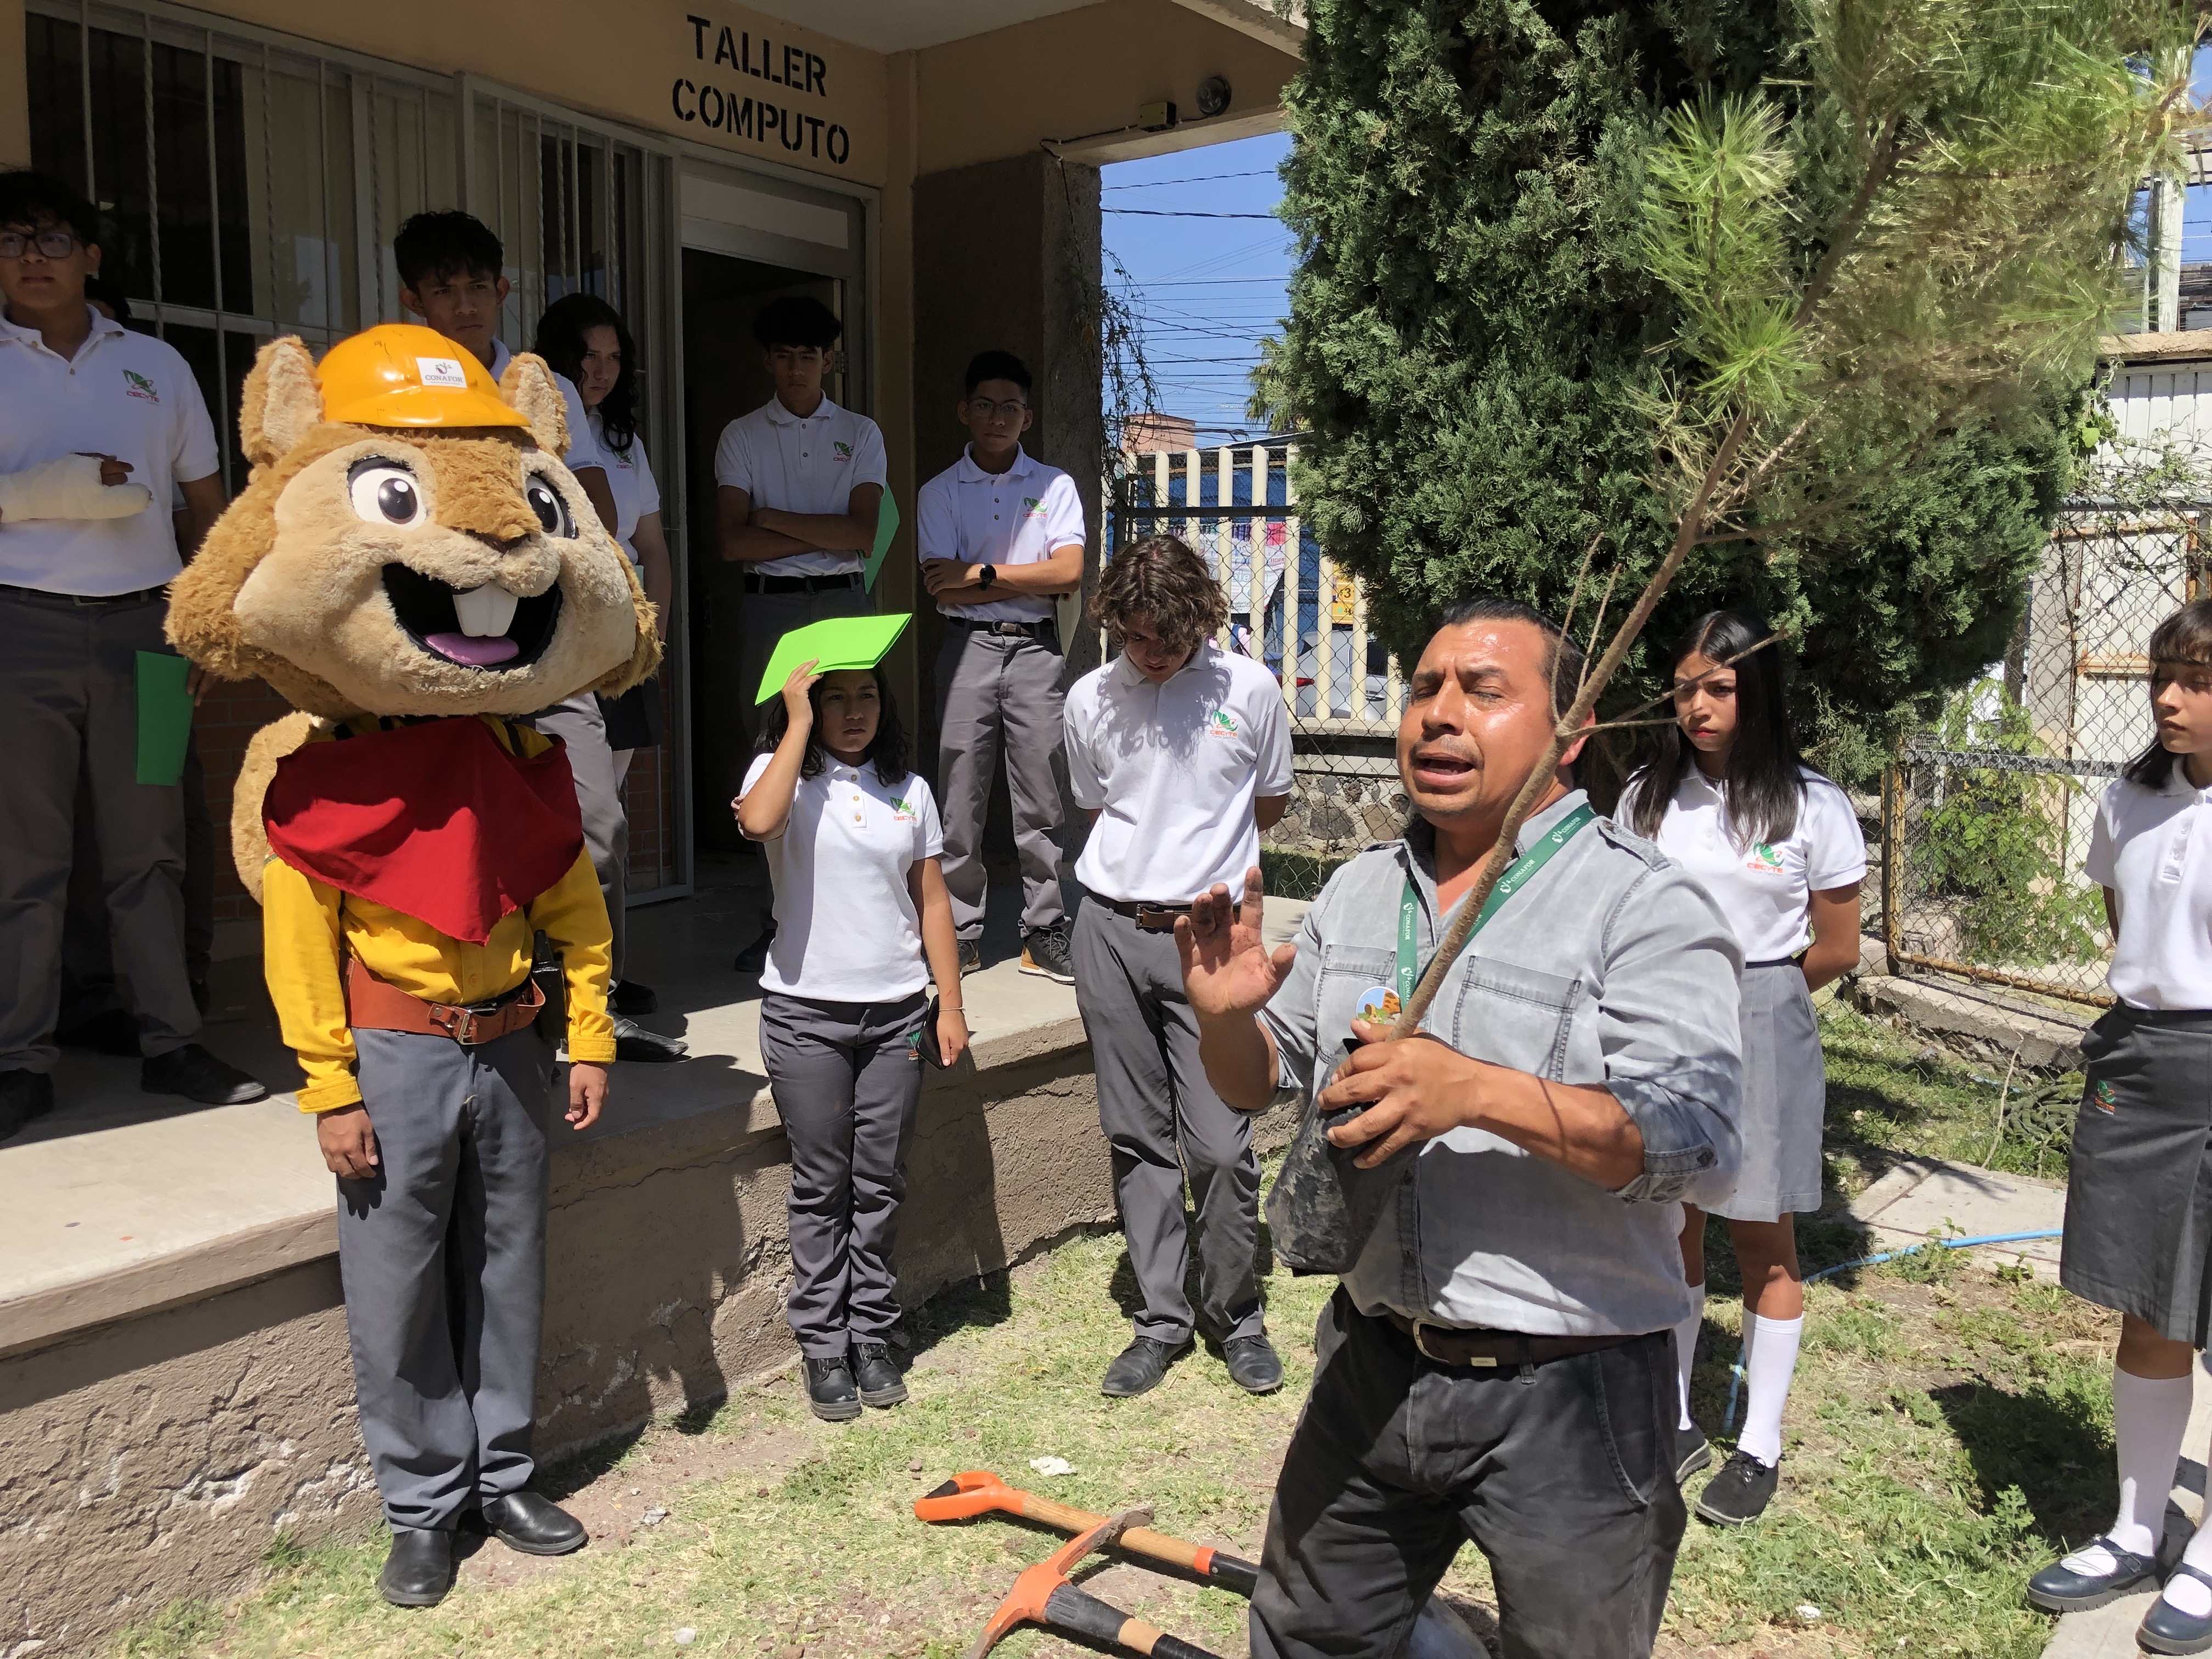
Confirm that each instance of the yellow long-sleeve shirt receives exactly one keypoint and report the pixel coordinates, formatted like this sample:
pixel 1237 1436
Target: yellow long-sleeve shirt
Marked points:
pixel 309 927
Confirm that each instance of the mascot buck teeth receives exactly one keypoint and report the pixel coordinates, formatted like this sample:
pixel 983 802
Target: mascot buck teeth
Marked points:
pixel 414 570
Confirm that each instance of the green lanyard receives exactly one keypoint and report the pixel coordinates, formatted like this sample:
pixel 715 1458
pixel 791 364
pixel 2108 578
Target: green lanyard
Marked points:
pixel 1517 877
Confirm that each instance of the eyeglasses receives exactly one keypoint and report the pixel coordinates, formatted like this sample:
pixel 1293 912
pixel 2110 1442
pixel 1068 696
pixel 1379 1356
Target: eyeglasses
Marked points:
pixel 1009 410
pixel 54 244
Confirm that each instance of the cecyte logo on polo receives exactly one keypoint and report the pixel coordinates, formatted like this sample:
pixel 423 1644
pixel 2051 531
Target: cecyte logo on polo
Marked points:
pixel 1221 724
pixel 844 449
pixel 1033 507
pixel 135 385
pixel 1764 859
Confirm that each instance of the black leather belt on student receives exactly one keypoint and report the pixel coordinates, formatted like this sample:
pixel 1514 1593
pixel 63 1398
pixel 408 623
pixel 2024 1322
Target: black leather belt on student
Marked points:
pixel 1027 630
pixel 758 584
pixel 1449 1344
pixel 51 598
pixel 1152 918
pixel 1798 961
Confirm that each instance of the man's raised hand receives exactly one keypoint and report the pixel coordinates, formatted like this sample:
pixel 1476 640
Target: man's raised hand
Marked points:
pixel 1227 968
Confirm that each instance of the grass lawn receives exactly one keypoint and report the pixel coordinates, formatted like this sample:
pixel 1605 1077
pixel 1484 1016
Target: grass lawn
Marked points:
pixel 1950 1426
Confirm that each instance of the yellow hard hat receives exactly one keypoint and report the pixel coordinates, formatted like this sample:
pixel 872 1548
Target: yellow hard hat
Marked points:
pixel 404 375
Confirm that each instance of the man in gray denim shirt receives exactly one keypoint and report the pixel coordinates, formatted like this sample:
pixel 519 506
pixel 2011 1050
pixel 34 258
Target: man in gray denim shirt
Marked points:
pixel 1499 1364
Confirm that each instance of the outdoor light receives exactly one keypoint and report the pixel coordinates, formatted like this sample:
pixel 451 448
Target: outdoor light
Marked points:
pixel 1213 95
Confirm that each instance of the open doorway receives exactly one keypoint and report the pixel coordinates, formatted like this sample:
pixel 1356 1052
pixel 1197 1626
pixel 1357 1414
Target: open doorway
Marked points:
pixel 723 379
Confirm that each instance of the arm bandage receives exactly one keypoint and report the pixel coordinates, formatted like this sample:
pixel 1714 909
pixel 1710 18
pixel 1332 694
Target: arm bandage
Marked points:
pixel 68 489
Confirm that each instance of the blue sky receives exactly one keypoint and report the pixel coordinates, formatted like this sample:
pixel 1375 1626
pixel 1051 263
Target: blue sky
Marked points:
pixel 1208 287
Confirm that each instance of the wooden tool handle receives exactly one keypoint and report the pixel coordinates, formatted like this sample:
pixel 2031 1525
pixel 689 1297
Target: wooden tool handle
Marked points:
pixel 1225 1571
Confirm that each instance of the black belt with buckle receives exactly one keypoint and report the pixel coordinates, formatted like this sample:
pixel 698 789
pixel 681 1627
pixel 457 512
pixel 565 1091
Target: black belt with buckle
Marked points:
pixel 758 584
pixel 1453 1345
pixel 1150 917
pixel 1025 630
pixel 51 598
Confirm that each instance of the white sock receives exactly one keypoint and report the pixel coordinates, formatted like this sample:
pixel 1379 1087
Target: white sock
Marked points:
pixel 2184 1592
pixel 2150 1416
pixel 1685 1351
pixel 1770 1361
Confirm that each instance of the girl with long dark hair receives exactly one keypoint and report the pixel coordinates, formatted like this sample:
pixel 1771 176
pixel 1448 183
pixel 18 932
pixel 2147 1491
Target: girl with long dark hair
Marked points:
pixel 864 926
pixel 1779 848
pixel 2136 1233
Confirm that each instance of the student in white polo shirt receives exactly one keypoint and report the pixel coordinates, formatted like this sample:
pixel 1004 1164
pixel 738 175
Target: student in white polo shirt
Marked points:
pixel 999 533
pixel 2141 1159
pixel 1180 752
pixel 96 425
pixel 799 483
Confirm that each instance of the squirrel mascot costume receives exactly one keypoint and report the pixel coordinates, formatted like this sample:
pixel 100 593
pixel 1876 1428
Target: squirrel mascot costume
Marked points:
pixel 414 570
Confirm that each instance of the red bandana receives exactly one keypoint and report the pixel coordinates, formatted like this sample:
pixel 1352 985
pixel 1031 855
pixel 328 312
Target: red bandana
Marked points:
pixel 436 821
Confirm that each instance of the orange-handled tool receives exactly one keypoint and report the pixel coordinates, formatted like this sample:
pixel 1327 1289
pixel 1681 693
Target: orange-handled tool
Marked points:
pixel 1044 1595
pixel 979 1491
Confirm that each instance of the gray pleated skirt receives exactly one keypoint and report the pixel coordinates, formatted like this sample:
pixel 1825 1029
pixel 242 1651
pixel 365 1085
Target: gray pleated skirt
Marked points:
pixel 2139 1184
pixel 1785 1098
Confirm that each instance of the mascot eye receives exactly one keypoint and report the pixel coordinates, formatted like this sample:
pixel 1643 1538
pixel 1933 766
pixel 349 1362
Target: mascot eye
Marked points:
pixel 386 495
pixel 552 512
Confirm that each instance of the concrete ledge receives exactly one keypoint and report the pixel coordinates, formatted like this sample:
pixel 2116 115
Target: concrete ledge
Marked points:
pixel 2046 1039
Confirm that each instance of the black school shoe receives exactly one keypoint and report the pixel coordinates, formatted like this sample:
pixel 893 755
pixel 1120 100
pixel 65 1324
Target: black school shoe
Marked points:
pixel 1740 1493
pixel 2166 1628
pixel 877 1377
pixel 1254 1365
pixel 1140 1366
pixel 831 1394
pixel 2059 1589
pixel 533 1524
pixel 1692 1451
pixel 420 1568
pixel 196 1074
pixel 633 1042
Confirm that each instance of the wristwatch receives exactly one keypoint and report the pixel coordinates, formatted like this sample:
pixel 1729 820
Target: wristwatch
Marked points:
pixel 989 574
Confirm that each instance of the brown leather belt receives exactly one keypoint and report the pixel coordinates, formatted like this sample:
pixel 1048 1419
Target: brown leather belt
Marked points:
pixel 376 1004
pixel 1152 918
pixel 1449 1344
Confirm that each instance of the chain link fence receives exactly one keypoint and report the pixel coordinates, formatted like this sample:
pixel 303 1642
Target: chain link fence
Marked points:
pixel 1291 609
pixel 1986 816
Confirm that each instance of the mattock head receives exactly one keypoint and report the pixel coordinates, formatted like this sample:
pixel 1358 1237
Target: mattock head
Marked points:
pixel 1025 1603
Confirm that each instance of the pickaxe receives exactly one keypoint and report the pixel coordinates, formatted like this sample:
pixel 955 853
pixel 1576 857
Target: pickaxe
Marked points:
pixel 1043 1596
pixel 978 1492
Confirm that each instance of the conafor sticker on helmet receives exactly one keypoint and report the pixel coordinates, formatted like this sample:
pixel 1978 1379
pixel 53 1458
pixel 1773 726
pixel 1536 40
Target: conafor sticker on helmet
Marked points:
pixel 441 371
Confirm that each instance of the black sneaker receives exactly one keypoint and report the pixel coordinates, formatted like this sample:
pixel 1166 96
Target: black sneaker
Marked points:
pixel 754 957
pixel 1140 1366
pixel 1045 952
pixel 879 1382
pixel 633 1042
pixel 23 1096
pixel 1691 1452
pixel 1740 1493
pixel 971 956
pixel 196 1074
pixel 631 1000
pixel 1254 1365
pixel 2059 1589
pixel 831 1394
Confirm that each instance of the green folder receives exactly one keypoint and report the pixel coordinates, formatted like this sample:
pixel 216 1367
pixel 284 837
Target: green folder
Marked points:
pixel 165 717
pixel 838 642
pixel 886 527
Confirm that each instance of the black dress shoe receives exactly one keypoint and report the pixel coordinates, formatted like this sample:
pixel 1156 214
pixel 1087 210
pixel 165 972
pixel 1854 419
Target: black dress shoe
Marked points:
pixel 831 1394
pixel 1253 1364
pixel 1140 1366
pixel 1740 1493
pixel 879 1380
pixel 633 1042
pixel 2059 1589
pixel 23 1096
pixel 111 1032
pixel 1692 1451
pixel 533 1524
pixel 630 997
pixel 2166 1628
pixel 196 1074
pixel 420 1568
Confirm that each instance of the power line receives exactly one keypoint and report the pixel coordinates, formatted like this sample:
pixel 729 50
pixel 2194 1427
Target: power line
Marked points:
pixel 1200 179
pixel 1169 213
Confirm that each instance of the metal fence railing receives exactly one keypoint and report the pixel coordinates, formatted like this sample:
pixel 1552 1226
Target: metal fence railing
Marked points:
pixel 1986 816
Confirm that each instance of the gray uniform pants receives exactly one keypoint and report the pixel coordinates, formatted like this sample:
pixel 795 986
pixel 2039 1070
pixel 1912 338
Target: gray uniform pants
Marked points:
pixel 69 708
pixel 847 1080
pixel 580 725
pixel 992 687
pixel 767 618
pixel 442 1256
pixel 1162 1123
pixel 1562 1474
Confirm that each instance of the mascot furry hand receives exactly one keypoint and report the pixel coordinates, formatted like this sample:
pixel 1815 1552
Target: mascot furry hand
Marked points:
pixel 412 568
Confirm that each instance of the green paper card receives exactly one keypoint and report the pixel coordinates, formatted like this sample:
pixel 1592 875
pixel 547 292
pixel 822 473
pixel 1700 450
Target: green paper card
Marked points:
pixel 886 527
pixel 838 642
pixel 165 717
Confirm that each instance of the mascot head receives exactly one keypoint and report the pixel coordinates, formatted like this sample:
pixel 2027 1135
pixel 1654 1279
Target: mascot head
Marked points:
pixel 409 543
